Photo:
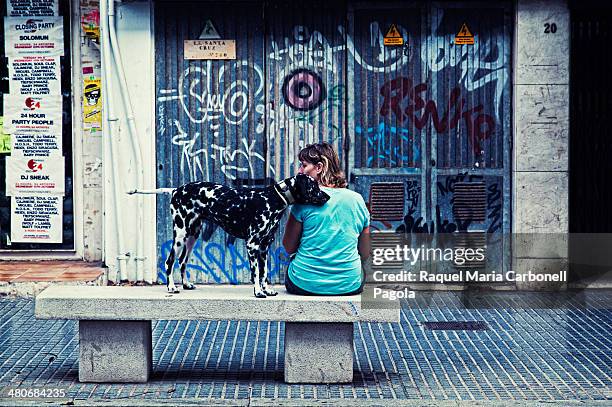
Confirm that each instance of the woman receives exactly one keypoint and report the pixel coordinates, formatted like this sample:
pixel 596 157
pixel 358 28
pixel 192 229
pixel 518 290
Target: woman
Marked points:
pixel 331 240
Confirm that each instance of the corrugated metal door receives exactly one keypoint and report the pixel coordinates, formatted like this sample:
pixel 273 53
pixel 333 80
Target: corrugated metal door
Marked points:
pixel 436 116
pixel 209 120
pixel 430 115
pixel 306 73
pixel 242 122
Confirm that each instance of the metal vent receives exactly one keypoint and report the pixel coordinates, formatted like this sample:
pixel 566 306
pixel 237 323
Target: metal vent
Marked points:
pixel 476 240
pixel 387 201
pixel 456 326
pixel 470 201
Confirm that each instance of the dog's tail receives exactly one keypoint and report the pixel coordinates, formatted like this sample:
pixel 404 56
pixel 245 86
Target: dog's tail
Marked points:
pixel 152 191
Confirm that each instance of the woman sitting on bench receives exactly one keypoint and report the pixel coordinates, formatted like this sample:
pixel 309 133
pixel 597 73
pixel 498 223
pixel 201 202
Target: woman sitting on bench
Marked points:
pixel 329 242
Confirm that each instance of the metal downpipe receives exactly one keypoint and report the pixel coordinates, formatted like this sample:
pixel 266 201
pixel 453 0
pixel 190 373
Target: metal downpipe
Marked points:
pixel 110 124
pixel 136 151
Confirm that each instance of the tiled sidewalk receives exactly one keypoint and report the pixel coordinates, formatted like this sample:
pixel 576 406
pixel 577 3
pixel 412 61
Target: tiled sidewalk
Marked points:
pixel 52 270
pixel 538 346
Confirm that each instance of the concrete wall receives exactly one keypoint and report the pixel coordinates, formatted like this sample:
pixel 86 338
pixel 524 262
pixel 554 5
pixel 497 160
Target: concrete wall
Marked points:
pixel 541 139
pixel 135 36
pixel 99 226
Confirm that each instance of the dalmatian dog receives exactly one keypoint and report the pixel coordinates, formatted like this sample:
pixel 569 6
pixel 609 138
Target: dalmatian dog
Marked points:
pixel 246 213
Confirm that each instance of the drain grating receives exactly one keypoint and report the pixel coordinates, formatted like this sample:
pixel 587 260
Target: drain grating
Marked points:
pixel 456 325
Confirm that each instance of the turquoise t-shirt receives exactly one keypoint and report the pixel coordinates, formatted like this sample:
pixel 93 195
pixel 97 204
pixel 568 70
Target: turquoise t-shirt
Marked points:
pixel 327 260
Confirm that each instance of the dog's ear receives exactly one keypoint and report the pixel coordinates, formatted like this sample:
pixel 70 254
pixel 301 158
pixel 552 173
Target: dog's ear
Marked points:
pixel 305 180
pixel 321 198
pixel 309 190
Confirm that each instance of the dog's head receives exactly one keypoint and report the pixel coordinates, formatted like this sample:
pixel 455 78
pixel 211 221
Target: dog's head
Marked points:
pixel 305 190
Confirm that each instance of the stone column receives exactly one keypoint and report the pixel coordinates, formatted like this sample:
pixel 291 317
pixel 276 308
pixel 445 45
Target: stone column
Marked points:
pixel 318 352
pixel 541 139
pixel 115 351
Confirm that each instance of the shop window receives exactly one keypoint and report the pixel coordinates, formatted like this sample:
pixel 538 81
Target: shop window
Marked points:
pixel 36 173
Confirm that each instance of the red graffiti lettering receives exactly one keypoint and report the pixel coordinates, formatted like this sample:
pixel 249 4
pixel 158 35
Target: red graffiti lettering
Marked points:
pixel 420 111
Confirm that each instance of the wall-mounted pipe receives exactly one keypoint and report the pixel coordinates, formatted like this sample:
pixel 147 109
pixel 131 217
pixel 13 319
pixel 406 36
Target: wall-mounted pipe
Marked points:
pixel 133 135
pixel 107 129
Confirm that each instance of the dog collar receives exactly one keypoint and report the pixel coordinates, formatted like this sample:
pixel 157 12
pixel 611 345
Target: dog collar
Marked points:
pixel 284 192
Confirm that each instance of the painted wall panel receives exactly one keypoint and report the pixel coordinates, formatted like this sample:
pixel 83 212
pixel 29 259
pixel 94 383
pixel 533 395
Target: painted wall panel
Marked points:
pixel 428 113
pixel 438 112
pixel 209 119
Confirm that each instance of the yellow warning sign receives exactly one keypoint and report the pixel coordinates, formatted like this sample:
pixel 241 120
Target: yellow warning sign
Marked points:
pixel 464 36
pixel 393 36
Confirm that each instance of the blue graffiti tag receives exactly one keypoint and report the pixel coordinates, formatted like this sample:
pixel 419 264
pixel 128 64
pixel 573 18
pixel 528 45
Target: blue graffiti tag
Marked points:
pixel 214 257
pixel 379 144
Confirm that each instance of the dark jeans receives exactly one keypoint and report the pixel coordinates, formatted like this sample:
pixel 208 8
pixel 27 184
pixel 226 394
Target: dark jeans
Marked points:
pixel 294 289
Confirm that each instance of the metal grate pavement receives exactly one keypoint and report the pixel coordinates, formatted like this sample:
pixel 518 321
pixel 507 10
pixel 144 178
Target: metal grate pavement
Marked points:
pixel 539 346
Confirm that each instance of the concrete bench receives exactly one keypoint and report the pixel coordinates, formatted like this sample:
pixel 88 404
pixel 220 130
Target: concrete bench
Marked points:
pixel 115 326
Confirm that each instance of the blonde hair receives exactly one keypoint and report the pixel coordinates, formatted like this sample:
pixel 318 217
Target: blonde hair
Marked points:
pixel 325 154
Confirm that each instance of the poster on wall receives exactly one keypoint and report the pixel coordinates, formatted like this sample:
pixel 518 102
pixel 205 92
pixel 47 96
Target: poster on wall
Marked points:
pixel 5 139
pixel 33 36
pixel 34 175
pixel 28 114
pixel 37 8
pixel 36 219
pixel 34 75
pixel 37 144
pixel 90 23
pixel 92 104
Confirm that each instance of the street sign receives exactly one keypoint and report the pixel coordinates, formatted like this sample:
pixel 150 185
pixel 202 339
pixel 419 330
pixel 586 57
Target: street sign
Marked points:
pixel 210 49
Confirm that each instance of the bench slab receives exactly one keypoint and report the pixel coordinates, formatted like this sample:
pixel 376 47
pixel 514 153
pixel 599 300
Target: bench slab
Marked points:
pixel 206 302
pixel 115 326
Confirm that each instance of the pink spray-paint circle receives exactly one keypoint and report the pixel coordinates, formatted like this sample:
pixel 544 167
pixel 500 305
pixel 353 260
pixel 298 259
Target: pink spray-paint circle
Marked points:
pixel 303 90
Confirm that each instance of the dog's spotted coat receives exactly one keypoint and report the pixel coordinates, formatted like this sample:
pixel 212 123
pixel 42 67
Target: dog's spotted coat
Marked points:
pixel 246 213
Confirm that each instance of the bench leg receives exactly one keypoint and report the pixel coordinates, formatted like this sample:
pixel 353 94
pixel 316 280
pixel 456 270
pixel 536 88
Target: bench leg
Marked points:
pixel 115 351
pixel 318 352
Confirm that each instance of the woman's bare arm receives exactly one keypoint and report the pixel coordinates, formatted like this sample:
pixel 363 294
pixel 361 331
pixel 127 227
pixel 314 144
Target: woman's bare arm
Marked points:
pixel 364 245
pixel 293 235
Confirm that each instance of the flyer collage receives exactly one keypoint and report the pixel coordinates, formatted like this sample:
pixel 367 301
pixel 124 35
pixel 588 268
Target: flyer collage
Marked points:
pixel 32 121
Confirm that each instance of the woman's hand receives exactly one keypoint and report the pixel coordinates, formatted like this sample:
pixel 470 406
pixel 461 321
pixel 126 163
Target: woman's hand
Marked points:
pixel 293 235
pixel 364 245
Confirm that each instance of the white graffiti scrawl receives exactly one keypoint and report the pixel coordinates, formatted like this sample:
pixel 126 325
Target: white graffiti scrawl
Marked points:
pixel 209 95
pixel 202 102
pixel 229 159
pixel 306 49
pixel 189 155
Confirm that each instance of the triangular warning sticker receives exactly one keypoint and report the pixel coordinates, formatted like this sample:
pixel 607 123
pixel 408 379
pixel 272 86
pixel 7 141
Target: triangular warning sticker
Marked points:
pixel 464 36
pixel 209 32
pixel 393 32
pixel 393 36
pixel 464 31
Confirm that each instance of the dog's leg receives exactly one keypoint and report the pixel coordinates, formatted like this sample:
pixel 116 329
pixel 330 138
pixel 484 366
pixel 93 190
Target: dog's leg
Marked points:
pixel 253 254
pixel 263 274
pixel 178 246
pixel 183 260
pixel 169 267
